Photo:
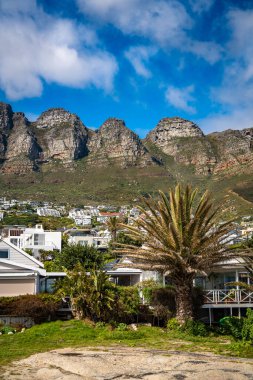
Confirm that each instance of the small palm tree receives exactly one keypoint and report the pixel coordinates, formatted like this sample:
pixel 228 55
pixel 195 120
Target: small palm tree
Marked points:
pixel 180 238
pixel 113 225
pixel 92 295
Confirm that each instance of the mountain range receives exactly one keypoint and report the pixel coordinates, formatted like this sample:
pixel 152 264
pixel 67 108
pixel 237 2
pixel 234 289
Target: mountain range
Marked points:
pixel 57 153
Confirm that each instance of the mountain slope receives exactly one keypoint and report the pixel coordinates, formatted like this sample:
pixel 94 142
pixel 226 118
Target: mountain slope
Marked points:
pixel 57 157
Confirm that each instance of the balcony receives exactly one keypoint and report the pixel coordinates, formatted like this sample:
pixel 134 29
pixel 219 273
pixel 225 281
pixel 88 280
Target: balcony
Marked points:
pixel 230 297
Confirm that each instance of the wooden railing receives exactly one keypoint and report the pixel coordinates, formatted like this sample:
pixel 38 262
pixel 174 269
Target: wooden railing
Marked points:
pixel 222 296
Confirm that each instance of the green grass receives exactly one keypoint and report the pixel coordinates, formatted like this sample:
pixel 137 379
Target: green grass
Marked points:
pixel 59 334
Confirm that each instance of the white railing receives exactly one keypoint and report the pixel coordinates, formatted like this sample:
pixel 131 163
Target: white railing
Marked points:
pixel 223 296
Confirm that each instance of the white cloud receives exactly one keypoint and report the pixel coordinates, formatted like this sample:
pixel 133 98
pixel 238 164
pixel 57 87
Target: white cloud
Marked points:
pixel 139 57
pixel 165 23
pixel 200 6
pixel 157 19
pixel 235 94
pixel 237 119
pixel 37 47
pixel 181 98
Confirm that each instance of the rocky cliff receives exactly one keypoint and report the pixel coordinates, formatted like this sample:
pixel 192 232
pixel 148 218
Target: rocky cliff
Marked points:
pixel 185 142
pixel 60 136
pixel 6 124
pixel 233 148
pixel 114 143
pixel 22 148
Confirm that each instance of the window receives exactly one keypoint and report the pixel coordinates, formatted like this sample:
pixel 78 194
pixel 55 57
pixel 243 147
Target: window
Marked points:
pixel 39 239
pixel 14 241
pixel 4 253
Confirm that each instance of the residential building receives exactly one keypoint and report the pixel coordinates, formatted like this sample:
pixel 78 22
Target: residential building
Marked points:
pixel 80 217
pixel 44 211
pixel 35 238
pixel 104 216
pixel 99 240
pixel 19 272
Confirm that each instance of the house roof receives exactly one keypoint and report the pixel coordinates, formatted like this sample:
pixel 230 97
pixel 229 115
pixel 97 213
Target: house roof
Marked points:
pixel 23 253
pixel 14 265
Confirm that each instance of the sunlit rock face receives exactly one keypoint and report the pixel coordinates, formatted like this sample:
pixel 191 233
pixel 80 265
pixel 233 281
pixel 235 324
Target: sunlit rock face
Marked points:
pixel 114 141
pixel 61 135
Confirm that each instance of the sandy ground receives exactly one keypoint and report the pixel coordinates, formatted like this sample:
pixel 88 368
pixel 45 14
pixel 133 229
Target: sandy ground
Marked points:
pixel 126 363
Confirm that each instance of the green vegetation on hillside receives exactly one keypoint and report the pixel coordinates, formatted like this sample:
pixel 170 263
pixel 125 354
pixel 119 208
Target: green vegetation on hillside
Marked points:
pixel 83 184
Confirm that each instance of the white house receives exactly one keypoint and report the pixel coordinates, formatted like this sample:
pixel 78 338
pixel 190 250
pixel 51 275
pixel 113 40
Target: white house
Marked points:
pixel 98 240
pixel 34 238
pixel 19 272
pixel 43 211
pixel 81 217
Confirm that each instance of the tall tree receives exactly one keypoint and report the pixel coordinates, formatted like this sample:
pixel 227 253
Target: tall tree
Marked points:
pixel 181 237
pixel 113 225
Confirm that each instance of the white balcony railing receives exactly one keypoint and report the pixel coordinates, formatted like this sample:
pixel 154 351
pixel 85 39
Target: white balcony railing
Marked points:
pixel 221 296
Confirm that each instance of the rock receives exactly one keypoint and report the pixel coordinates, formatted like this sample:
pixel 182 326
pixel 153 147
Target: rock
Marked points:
pixel 234 148
pixel 22 147
pixel 184 140
pixel 61 135
pixel 6 125
pixel 6 114
pixel 114 142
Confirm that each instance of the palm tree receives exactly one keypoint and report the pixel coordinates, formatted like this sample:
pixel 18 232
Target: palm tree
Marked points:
pixel 181 238
pixel 113 225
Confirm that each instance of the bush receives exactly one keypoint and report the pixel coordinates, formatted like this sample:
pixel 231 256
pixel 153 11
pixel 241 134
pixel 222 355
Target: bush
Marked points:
pixel 247 327
pixel 195 328
pixel 127 306
pixel 122 327
pixel 40 307
pixel 173 324
pixel 164 296
pixel 190 327
pixel 7 330
pixel 232 326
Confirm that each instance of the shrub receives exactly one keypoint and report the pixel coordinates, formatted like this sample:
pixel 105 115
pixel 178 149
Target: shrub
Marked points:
pixel 127 306
pixel 164 296
pixel 190 327
pixel 173 324
pixel 100 325
pixel 40 307
pixel 247 327
pixel 195 328
pixel 7 329
pixel 231 326
pixel 122 327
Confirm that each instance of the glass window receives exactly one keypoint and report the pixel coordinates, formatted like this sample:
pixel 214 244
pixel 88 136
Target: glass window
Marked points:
pixel 4 253
pixel 39 239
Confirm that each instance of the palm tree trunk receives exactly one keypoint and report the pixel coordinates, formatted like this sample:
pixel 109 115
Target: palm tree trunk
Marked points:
pixel 184 307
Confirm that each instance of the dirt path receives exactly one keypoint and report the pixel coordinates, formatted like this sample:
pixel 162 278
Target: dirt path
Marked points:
pixel 124 363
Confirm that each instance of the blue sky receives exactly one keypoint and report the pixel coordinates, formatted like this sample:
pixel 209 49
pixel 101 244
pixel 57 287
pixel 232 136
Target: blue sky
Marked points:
pixel 139 60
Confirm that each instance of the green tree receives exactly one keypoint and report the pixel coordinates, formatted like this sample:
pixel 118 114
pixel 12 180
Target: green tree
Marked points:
pixel 181 237
pixel 92 296
pixel 88 257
